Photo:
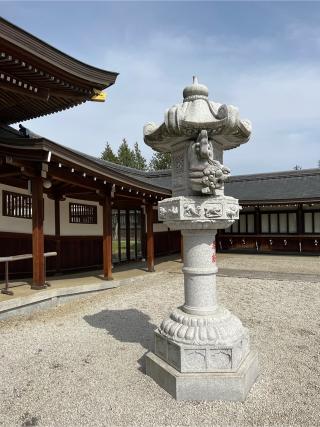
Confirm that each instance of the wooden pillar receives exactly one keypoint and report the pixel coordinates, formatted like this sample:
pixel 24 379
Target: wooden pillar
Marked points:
pixel 38 281
pixel 57 234
pixel 128 234
pixel 143 234
pixel 107 236
pixel 257 221
pixel 300 219
pixel 150 238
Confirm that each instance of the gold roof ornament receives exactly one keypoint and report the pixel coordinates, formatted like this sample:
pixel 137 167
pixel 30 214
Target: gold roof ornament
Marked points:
pixel 98 96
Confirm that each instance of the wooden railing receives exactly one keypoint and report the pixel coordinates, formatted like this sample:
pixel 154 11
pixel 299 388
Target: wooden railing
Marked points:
pixel 13 258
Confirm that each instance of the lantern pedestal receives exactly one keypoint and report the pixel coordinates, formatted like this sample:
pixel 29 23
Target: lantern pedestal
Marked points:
pixel 210 386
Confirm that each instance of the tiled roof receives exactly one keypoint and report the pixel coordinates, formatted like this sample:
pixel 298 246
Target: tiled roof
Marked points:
pixel 285 185
pixel 151 181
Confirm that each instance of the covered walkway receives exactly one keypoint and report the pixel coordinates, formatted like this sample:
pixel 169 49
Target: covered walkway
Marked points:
pixel 124 272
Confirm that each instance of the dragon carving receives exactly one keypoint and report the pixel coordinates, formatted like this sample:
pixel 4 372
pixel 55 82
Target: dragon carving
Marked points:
pixel 206 174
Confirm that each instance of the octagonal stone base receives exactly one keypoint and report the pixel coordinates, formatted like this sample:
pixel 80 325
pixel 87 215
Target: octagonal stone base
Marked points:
pixel 202 358
pixel 231 386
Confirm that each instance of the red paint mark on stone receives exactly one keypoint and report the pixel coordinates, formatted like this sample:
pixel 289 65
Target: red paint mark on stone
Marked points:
pixel 214 257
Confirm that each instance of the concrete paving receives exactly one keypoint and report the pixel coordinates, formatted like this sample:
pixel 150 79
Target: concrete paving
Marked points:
pixel 121 272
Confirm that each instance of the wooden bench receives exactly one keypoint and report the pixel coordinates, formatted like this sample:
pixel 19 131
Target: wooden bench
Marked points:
pixel 13 258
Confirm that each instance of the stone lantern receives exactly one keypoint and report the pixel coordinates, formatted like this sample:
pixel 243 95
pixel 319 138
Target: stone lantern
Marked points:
pixel 202 351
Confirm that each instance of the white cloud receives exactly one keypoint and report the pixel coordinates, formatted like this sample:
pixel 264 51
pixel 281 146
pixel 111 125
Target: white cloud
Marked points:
pixel 279 96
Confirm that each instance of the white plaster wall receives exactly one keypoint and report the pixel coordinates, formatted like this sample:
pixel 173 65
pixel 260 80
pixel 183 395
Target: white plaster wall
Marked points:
pixel 67 229
pixel 48 223
pixel 22 225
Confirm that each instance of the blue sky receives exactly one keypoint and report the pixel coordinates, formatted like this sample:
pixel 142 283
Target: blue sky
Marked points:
pixel 262 57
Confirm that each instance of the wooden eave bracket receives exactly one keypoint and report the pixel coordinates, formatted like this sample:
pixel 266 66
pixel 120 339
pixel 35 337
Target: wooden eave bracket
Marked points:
pixel 22 87
pixel 26 169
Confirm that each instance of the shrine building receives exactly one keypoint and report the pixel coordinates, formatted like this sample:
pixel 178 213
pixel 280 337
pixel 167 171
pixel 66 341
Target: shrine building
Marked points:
pixel 94 213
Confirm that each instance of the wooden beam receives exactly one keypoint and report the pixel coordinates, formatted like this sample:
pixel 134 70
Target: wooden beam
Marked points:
pixel 107 236
pixel 22 156
pixel 150 238
pixel 120 195
pixel 25 168
pixel 38 281
pixel 75 194
pixel 8 174
pixel 15 182
pixel 126 204
pixel 57 190
pixel 74 179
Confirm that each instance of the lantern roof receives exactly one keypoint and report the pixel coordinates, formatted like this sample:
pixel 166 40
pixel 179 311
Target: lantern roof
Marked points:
pixel 196 113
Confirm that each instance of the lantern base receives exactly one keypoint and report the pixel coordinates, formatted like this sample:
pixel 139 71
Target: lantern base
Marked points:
pixel 211 386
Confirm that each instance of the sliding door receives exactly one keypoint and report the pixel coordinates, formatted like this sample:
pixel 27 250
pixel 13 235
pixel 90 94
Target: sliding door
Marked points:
pixel 126 235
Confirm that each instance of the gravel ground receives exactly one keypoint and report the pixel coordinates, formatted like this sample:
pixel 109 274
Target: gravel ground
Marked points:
pixel 82 363
pixel 262 262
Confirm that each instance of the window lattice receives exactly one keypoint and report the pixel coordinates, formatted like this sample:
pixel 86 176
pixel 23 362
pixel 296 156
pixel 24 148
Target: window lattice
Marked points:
pixel 16 205
pixel 82 214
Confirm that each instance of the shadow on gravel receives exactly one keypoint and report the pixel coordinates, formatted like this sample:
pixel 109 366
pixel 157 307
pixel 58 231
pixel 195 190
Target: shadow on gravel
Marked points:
pixel 130 325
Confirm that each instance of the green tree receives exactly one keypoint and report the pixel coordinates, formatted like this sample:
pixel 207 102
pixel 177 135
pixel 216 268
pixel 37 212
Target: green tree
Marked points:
pixel 139 161
pixel 108 154
pixel 160 161
pixel 126 155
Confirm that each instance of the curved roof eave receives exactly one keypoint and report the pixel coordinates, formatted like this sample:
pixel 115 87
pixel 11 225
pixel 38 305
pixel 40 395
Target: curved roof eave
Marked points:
pixel 84 161
pixel 21 39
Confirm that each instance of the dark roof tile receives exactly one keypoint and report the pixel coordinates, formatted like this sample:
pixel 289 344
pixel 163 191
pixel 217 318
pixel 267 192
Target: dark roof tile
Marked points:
pixel 287 185
pixel 284 185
